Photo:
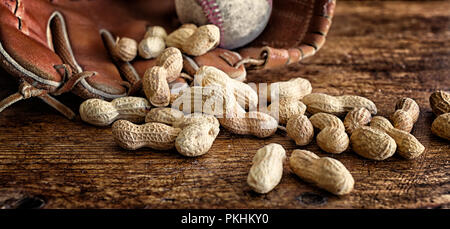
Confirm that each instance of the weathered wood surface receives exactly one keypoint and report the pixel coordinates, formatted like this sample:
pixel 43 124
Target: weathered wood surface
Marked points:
pixel 381 50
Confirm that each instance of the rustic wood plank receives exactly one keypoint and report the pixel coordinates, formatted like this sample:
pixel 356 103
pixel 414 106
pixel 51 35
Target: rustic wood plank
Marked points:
pixel 381 50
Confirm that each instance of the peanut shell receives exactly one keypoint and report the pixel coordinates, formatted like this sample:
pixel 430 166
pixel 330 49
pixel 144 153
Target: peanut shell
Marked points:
pixel 300 129
pixel 164 115
pixel 151 47
pixel 356 118
pixel 253 123
pixel 372 143
pixel 285 109
pixel 407 145
pixel 441 126
pixel 209 76
pixel 156 31
pixel 267 169
pixel 196 139
pixel 326 173
pixel 102 113
pixel 332 137
pixel 153 135
pixel 202 40
pixel 406 114
pixel 172 60
pixel 156 87
pixel 440 102
pixel 178 37
pixel 336 105
pixel 126 49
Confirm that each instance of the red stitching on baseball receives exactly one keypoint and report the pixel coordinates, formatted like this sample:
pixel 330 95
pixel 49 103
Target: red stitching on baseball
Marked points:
pixel 212 12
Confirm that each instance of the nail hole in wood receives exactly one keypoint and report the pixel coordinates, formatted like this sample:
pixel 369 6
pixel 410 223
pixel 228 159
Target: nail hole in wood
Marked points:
pixel 30 203
pixel 309 198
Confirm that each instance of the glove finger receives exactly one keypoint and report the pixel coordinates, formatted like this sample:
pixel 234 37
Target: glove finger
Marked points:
pixel 105 17
pixel 36 64
pixel 80 45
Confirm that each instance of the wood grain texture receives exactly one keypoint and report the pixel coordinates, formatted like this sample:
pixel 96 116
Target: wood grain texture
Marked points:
pixel 381 50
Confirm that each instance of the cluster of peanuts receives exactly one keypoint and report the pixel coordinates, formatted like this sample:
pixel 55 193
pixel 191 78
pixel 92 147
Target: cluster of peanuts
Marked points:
pixel 190 118
pixel 192 40
pixel 440 104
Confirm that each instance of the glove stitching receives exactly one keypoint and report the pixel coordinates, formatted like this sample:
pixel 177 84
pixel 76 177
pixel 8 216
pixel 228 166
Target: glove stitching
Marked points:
pixel 212 12
pixel 17 7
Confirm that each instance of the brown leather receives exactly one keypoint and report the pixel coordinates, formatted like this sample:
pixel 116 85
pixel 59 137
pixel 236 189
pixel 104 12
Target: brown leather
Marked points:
pixel 37 37
pixel 285 45
pixel 30 44
pixel 220 58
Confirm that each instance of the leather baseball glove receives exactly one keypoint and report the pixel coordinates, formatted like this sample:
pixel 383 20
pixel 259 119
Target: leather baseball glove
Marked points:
pixel 58 46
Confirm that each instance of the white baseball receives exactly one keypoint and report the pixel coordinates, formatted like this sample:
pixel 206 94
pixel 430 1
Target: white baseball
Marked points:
pixel 240 21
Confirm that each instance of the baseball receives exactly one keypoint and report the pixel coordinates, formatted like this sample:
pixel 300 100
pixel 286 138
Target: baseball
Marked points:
pixel 240 21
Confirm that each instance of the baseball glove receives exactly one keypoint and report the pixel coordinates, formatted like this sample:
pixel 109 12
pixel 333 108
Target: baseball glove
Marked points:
pixel 58 46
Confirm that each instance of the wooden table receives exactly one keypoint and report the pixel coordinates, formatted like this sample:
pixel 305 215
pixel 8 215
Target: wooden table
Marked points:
pixel 381 50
